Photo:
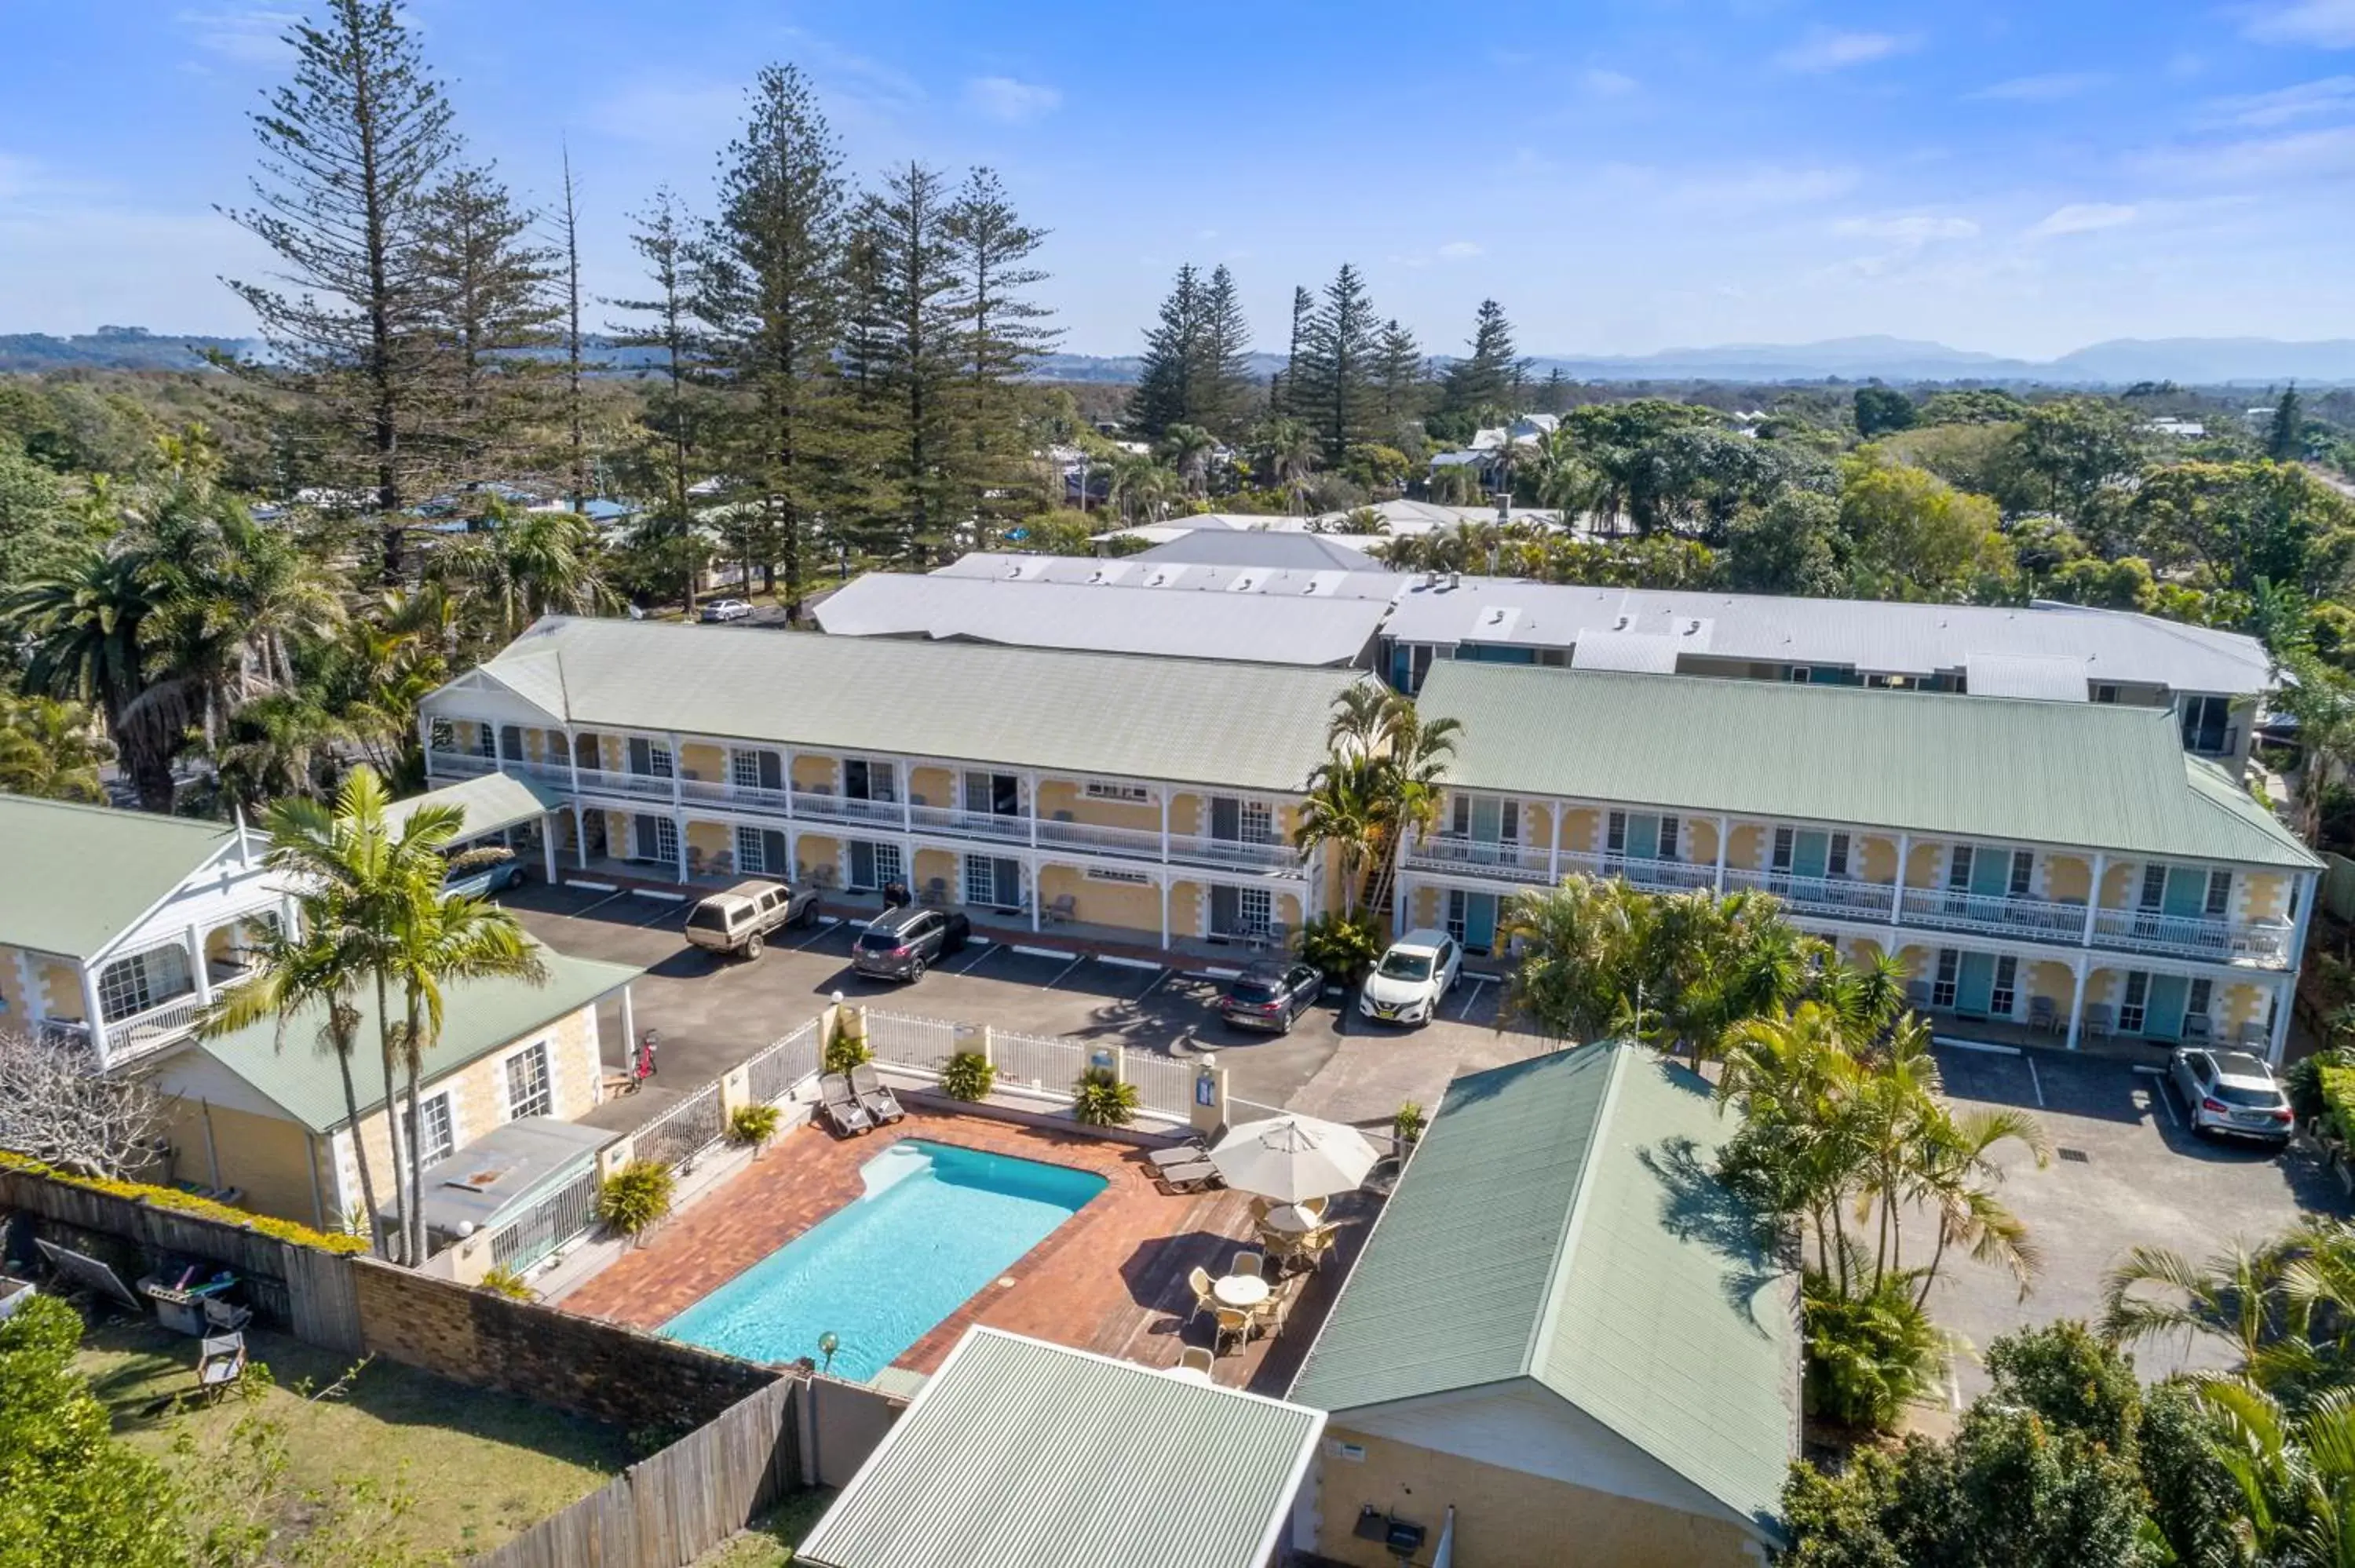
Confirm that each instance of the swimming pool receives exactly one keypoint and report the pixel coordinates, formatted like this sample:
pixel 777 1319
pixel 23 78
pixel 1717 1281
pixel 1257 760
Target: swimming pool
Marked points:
pixel 936 1223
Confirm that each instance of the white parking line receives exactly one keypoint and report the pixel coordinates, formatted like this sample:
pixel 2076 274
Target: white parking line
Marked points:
pixel 819 928
pixel 1075 963
pixel 992 950
pixel 2159 1092
pixel 582 911
pixel 1157 978
pixel 1479 984
pixel 2029 1058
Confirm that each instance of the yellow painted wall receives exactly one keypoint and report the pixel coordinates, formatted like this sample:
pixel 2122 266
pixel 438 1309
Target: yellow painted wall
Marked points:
pixel 1124 904
pixel 1189 909
pixel 1697 841
pixel 16 1007
pixel 271 1158
pixel 701 760
pixel 1506 1519
pixel 814 769
pixel 478 1090
pixel 815 849
pixel 2233 1005
pixel 2261 895
pixel 1926 866
pixel 1425 908
pixel 1860 951
pixel 1874 857
pixel 2053 982
pixel 713 839
pixel 932 785
pixel 1581 830
pixel 2067 878
pixel 942 865
pixel 1747 847
pixel 60 985
pixel 2121 881
pixel 1068 795
pixel 1921 962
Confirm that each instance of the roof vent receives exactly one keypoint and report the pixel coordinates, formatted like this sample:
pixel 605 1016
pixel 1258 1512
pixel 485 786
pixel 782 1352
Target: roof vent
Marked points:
pixel 1496 616
pixel 1014 571
pixel 1623 623
pixel 1692 629
pixel 1455 579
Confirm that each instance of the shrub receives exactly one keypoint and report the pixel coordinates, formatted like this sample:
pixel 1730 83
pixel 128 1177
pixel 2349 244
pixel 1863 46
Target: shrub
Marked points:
pixel 1869 1356
pixel 2302 1081
pixel 845 1050
pixel 1406 1123
pixel 1343 946
pixel 2338 1086
pixel 754 1125
pixel 506 1282
pixel 970 1075
pixel 1101 1099
pixel 189 1203
pixel 635 1196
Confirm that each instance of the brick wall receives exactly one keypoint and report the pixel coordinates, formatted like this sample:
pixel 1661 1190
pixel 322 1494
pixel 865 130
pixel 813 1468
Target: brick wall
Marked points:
pixel 633 1380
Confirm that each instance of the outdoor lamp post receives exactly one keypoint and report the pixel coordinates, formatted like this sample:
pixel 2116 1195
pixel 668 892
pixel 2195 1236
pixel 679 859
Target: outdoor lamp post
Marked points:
pixel 827 1343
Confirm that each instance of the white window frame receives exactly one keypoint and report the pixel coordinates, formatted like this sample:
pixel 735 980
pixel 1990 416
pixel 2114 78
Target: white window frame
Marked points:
pixel 1114 791
pixel 441 1110
pixel 544 1092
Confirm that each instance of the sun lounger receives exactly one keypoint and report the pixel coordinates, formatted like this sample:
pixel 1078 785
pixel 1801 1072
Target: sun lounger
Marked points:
pixel 1187 1178
pixel 1185 1153
pixel 839 1104
pixel 874 1095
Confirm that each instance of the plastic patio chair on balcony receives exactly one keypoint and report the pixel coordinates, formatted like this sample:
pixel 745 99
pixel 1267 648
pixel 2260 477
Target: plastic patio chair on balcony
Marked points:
pixel 2042 1015
pixel 2197 1029
pixel 2100 1021
pixel 1062 910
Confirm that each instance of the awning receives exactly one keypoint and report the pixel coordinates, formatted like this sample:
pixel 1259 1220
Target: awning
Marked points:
pixel 489 804
pixel 2047 677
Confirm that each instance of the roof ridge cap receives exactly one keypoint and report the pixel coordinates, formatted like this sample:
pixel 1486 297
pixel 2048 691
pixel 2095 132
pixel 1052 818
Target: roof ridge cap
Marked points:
pixel 1574 1224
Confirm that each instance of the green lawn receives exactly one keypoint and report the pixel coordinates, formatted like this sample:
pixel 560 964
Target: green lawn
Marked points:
pixel 769 1542
pixel 481 1466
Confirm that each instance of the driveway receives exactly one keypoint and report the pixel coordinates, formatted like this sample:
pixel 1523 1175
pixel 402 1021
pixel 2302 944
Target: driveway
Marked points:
pixel 713 1013
pixel 2126 1172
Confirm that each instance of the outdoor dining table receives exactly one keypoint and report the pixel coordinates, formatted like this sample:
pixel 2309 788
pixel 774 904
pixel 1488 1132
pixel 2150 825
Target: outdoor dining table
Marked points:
pixel 1187 1374
pixel 1291 1219
pixel 1241 1291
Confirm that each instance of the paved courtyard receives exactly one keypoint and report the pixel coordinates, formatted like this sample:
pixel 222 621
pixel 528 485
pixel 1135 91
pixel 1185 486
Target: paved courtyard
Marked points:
pixel 2126 1173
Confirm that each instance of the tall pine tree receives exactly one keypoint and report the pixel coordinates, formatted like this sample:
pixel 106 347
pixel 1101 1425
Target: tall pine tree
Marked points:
pixel 911 334
pixel 351 151
pixel 493 298
pixel 1165 394
pixel 1224 382
pixel 1484 379
pixel 768 294
pixel 575 407
pixel 1282 392
pixel 661 240
pixel 1332 388
pixel 1397 374
pixel 1005 331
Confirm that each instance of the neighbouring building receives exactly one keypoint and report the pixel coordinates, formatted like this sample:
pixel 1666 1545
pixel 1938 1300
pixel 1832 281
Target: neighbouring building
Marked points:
pixel 1017 1453
pixel 259 1113
pixel 1561 1343
pixel 2043 867
pixel 1148 800
pixel 117 926
pixel 2211 681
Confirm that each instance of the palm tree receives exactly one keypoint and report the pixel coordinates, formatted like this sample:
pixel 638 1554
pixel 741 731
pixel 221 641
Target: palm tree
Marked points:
pixel 2295 1470
pixel 1578 942
pixel 315 968
pixel 49 749
pixel 2285 1307
pixel 1951 1175
pixel 1187 448
pixel 1344 808
pixel 439 940
pixel 87 619
pixel 1415 755
pixel 1290 450
pixel 530 565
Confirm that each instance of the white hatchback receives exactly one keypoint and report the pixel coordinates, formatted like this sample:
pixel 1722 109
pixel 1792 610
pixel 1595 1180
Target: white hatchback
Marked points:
pixel 1419 969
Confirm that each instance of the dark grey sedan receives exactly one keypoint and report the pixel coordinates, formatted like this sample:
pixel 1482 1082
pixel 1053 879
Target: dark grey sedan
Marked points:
pixel 899 943
pixel 1270 994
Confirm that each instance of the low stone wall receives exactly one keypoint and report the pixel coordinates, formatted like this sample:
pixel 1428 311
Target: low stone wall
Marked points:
pixel 603 1370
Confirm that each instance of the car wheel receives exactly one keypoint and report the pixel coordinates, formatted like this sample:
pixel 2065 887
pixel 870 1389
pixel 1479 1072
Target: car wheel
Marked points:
pixel 915 970
pixel 808 917
pixel 1285 1026
pixel 753 945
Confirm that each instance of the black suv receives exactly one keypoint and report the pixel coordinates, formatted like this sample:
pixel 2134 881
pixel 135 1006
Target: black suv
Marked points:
pixel 899 943
pixel 1271 994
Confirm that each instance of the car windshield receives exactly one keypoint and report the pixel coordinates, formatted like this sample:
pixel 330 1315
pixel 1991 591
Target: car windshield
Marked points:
pixel 878 941
pixel 1251 990
pixel 707 917
pixel 1404 966
pixel 2246 1094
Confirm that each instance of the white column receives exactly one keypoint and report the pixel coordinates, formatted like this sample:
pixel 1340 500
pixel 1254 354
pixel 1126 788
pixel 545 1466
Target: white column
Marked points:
pixel 1724 833
pixel 196 939
pixel 1554 854
pixel 1030 783
pixel 2077 1000
pixel 547 844
pixel 1031 868
pixel 1398 905
pixel 580 835
pixel 678 821
pixel 95 1019
pixel 1897 894
pixel 2308 888
pixel 2094 896
pixel 629 1036
pixel 1163 879
pixel 1165 852
pixel 677 774
pixel 425 740
pixel 2285 1005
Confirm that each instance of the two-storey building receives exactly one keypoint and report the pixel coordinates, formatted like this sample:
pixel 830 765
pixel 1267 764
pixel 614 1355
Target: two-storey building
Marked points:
pixel 2056 867
pixel 1138 799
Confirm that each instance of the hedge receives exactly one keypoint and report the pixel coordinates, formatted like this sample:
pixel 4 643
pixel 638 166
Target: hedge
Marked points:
pixel 189 1203
pixel 2338 1101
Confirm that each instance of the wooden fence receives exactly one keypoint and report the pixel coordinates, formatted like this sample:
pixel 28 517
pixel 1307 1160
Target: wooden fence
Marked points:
pixel 667 1510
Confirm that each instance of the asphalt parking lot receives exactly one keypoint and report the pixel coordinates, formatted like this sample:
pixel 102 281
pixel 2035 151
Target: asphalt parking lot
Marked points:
pixel 712 1012
pixel 2126 1172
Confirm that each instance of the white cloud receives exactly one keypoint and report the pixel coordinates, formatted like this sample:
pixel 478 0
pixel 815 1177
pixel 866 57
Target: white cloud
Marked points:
pixel 1458 250
pixel 1015 103
pixel 2306 154
pixel 2330 95
pixel 1913 229
pixel 1826 49
pixel 2325 24
pixel 2082 217
pixel 2051 89
pixel 253 35
pixel 1601 84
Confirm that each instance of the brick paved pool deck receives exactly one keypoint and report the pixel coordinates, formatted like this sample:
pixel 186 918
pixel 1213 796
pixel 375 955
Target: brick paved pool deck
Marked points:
pixel 1112 1279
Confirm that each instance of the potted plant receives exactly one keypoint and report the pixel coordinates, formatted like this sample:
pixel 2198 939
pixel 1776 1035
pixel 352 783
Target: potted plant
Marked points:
pixel 845 1050
pixel 969 1075
pixel 1406 1126
pixel 635 1198
pixel 1101 1099
pixel 755 1125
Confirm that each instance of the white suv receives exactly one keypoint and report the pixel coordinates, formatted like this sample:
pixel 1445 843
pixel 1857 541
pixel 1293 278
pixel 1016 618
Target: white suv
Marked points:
pixel 1405 987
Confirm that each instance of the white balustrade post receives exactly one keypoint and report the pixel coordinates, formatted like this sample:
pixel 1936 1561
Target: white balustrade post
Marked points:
pixel 1897 892
pixel 989 1046
pixel 196 967
pixel 94 1018
pixel 1724 833
pixel 2094 897
pixel 2077 1002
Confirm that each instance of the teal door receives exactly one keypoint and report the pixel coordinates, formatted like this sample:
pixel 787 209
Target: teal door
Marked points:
pixel 1487 820
pixel 1975 984
pixel 1991 872
pixel 2187 893
pixel 1643 837
pixel 1479 921
pixel 2162 1013
pixel 1811 854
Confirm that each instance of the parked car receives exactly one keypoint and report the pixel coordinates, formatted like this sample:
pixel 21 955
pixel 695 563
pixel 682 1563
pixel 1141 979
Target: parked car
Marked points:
pixel 740 920
pixel 723 610
pixel 496 872
pixel 1419 969
pixel 2231 1091
pixel 899 943
pixel 1271 994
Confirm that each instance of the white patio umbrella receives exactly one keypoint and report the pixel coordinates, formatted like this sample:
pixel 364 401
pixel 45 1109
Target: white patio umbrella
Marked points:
pixel 1293 1158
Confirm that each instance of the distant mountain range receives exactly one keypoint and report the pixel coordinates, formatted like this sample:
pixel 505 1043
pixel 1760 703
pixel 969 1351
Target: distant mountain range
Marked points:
pixel 2190 361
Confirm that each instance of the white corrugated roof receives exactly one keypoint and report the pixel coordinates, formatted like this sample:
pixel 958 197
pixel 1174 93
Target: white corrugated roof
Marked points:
pixel 2050 677
pixel 1644 652
pixel 1238 626
pixel 1871 636
pixel 1143 571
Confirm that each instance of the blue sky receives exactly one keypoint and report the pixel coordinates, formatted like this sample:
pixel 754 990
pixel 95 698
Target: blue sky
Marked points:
pixel 1624 175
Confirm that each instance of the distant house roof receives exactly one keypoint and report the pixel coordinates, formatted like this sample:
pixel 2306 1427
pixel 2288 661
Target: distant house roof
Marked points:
pixel 1180 576
pixel 1189 722
pixel 1019 1454
pixel 1882 637
pixel 486 804
pixel 1559 1225
pixel 1247 626
pixel 1300 551
pixel 296 1071
pixel 76 877
pixel 2080 775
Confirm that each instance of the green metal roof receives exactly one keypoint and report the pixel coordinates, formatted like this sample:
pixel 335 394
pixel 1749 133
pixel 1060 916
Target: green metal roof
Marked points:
pixel 1559 1226
pixel 1247 727
pixel 479 1016
pixel 73 878
pixel 1020 1454
pixel 2081 775
pixel 486 804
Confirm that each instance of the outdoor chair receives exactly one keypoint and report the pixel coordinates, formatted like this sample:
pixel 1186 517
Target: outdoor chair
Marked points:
pixel 1199 1283
pixel 2197 1030
pixel 1313 1207
pixel 1062 909
pixel 875 1096
pixel 229 1319
pixel 1187 1153
pixel 839 1104
pixel 2252 1036
pixel 1315 1246
pixel 220 1361
pixel 2100 1021
pixel 694 861
pixel 724 864
pixel 1191 1177
pixel 2042 1015
pixel 935 892
pixel 1234 1324
pixel 1194 1358
pixel 1250 1264
pixel 1917 995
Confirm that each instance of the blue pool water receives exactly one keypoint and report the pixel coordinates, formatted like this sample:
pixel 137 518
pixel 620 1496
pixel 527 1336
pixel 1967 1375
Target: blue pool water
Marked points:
pixel 936 1224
